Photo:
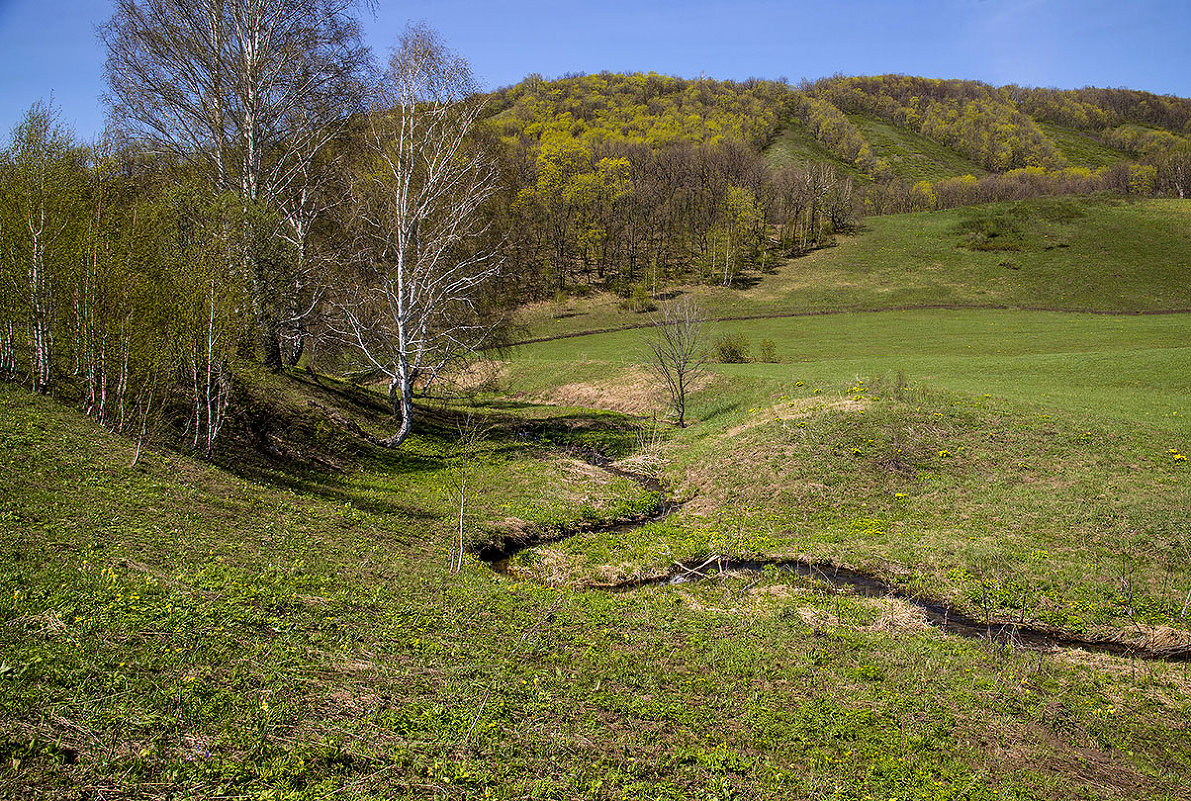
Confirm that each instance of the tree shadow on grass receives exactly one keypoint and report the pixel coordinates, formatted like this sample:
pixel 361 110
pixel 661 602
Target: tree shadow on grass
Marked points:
pixel 718 410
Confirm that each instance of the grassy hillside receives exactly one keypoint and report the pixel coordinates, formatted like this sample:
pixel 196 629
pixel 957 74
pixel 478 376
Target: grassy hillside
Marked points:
pixel 794 146
pixel 1068 254
pixel 1080 149
pixel 911 156
pixel 176 628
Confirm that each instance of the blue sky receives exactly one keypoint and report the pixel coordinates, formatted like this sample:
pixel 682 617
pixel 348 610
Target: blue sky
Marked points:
pixel 48 46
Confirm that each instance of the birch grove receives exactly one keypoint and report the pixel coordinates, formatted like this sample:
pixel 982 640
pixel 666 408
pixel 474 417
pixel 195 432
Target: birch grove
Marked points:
pixel 250 91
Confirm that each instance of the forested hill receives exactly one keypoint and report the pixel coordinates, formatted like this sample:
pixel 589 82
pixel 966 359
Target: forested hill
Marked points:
pixel 637 180
pixel 651 109
pixel 989 128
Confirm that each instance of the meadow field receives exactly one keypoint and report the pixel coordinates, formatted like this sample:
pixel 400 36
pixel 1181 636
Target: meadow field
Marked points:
pixel 302 623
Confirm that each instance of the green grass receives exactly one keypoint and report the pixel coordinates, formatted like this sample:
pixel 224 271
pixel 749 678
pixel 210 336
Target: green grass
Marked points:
pixel 1131 367
pixel 1064 254
pixel 796 147
pixel 1081 150
pixel 911 156
pixel 172 629
pixel 289 626
pixel 1062 425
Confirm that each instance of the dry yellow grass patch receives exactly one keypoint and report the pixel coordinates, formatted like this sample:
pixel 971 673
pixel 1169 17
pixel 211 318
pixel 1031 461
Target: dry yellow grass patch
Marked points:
pixel 895 615
pixel 632 391
pixel 578 480
pixel 796 409
pixel 579 470
pixel 557 568
pixel 478 374
pixel 608 575
pixel 1155 638
pixel 899 615
pixel 513 527
pixel 817 619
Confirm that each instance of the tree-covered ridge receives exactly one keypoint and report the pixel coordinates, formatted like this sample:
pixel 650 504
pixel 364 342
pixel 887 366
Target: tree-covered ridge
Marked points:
pixel 998 126
pixel 1092 109
pixel 656 110
pixel 832 128
pixel 999 129
pixel 974 119
pixel 634 181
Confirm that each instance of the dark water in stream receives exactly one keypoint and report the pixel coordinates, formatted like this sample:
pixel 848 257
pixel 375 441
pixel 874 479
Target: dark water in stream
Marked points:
pixel 832 577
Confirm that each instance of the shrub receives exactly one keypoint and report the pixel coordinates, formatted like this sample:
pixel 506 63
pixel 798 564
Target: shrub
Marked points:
pixel 638 299
pixel 732 349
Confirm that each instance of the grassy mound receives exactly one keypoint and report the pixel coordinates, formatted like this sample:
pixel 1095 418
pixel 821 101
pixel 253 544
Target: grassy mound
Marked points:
pixel 1007 512
pixel 174 629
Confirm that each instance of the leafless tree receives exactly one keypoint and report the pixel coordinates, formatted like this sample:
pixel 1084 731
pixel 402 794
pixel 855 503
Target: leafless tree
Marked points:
pixel 413 310
pixel 252 90
pixel 1174 171
pixel 677 350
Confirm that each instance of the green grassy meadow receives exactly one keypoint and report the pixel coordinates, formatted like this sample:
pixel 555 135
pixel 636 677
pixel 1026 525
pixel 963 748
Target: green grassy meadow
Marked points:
pixel 1133 367
pixel 1053 253
pixel 1012 433
pixel 912 156
pixel 796 146
pixel 297 626
pixel 1080 149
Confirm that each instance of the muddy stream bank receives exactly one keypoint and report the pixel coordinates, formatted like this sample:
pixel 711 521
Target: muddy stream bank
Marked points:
pixel 824 575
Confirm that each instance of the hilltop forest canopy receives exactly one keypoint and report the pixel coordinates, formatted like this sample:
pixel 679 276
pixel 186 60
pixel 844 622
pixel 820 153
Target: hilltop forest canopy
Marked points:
pixel 624 181
pixel 134 281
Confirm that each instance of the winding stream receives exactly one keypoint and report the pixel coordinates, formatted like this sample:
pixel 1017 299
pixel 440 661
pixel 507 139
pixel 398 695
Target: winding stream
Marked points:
pixel 834 578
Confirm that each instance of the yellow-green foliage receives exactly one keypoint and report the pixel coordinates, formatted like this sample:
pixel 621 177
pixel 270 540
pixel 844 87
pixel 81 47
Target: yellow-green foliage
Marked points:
pixel 1091 109
pixel 832 128
pixel 652 109
pixel 972 118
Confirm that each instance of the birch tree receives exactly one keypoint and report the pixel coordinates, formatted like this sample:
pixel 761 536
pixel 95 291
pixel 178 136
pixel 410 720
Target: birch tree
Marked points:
pixel 414 308
pixel 252 91
pixel 41 177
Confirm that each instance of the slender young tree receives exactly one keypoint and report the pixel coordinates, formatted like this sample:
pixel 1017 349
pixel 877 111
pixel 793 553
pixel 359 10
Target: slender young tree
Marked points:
pixel 677 350
pixel 415 307
pixel 42 177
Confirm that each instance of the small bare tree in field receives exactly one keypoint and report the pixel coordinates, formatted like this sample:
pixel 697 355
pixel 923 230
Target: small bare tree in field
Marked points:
pixel 464 458
pixel 677 350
